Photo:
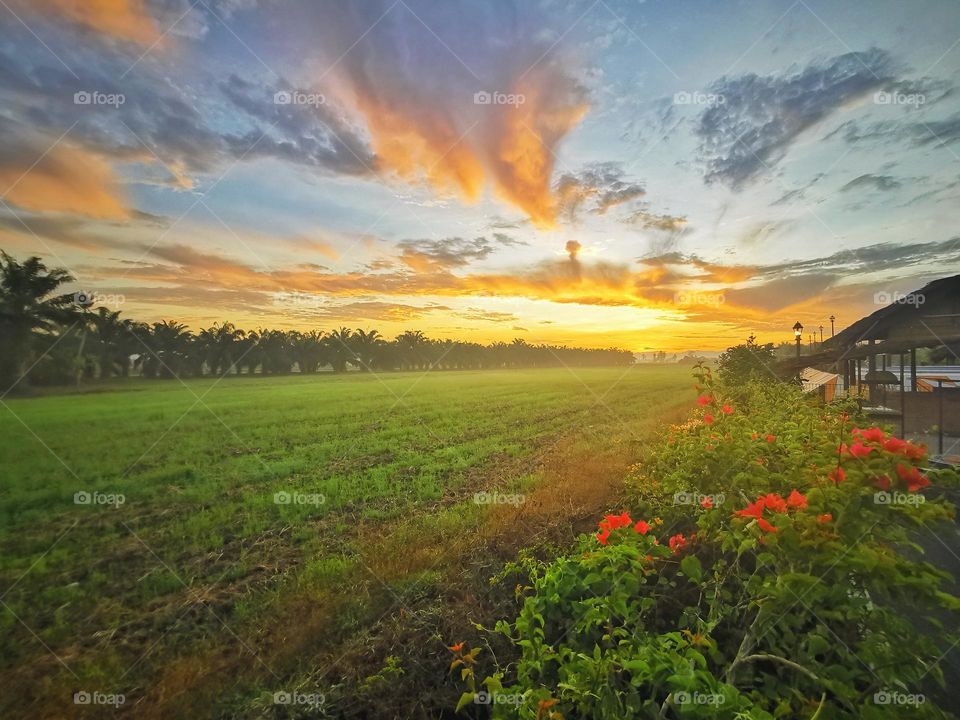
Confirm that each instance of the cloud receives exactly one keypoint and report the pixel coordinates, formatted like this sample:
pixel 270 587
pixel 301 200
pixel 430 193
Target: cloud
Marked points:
pixel 762 116
pixel 42 175
pixel 312 133
pixel 883 183
pixel 652 221
pixel 449 253
pixel 601 184
pixel 414 87
pixel 122 19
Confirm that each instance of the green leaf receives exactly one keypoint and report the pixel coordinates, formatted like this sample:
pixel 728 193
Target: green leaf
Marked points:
pixel 691 567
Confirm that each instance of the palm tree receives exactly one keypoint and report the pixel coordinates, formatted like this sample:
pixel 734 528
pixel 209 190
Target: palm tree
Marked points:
pixel 339 350
pixel 367 347
pixel 411 345
pixel 171 341
pixel 109 332
pixel 309 350
pixel 28 309
pixel 218 345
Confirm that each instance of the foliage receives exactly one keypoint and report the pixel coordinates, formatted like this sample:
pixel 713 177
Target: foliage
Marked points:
pixel 28 305
pixel 783 590
pixel 749 361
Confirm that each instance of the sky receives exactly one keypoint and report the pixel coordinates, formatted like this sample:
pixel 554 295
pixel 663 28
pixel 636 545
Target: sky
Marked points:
pixel 669 174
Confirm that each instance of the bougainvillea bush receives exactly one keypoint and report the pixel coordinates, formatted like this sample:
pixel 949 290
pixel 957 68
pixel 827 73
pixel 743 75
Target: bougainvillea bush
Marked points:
pixel 767 566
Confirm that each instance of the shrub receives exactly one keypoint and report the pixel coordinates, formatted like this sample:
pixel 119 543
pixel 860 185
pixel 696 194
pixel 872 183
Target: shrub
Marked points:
pixel 750 361
pixel 761 574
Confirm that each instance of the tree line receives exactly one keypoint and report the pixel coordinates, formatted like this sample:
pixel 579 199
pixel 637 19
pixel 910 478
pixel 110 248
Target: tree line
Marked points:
pixel 49 337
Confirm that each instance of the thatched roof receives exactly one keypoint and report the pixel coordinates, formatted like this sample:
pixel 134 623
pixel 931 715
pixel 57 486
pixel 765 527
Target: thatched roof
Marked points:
pixel 927 317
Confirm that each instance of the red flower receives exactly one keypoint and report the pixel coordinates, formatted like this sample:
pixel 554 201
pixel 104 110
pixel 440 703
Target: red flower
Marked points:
pixel 753 436
pixel 915 452
pixel 882 482
pixel 727 410
pixel 797 501
pixel 603 536
pixel 825 518
pixel 642 527
pixel 765 526
pixel 771 438
pixel 704 400
pixel 842 449
pixel 895 445
pixel 837 475
pixel 873 434
pixel 613 522
pixel 859 450
pixel 677 542
pixel 775 503
pixel 456 648
pixel 754 509
pixel 708 419
pixel 707 503
pixel 914 479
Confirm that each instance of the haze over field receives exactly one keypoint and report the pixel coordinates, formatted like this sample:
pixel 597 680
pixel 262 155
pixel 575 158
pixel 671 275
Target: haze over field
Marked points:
pixel 667 175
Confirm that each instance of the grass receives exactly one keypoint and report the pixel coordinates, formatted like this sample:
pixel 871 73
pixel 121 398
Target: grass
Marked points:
pixel 201 591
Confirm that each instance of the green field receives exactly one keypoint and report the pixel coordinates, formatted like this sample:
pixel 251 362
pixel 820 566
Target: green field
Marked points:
pixel 204 589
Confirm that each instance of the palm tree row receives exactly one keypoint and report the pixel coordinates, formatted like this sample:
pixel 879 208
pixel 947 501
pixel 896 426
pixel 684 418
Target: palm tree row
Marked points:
pixel 46 338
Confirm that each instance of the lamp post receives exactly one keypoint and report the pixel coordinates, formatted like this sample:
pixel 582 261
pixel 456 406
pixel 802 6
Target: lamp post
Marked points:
pixel 832 318
pixel 798 334
pixel 821 333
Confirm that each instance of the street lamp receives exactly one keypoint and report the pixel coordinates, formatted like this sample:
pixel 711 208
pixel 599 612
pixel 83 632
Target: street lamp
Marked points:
pixel 821 333
pixel 798 334
pixel 832 318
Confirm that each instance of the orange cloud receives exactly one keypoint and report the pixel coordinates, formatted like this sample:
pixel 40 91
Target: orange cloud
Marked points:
pixel 526 138
pixel 508 143
pixel 122 19
pixel 66 179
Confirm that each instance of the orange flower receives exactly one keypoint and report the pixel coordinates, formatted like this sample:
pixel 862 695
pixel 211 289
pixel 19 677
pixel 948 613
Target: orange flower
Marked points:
pixel 677 542
pixel 765 526
pixel 825 518
pixel 641 527
pixel 775 503
pixel 797 501
pixel 456 648
pixel 771 438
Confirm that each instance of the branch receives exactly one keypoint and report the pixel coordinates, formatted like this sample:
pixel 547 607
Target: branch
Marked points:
pixel 783 661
